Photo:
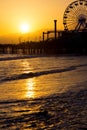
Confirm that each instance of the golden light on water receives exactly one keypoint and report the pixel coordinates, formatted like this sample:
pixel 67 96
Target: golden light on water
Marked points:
pixel 30 88
pixel 29 84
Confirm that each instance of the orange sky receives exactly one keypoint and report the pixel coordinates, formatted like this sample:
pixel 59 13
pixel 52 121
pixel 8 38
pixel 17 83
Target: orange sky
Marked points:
pixel 38 14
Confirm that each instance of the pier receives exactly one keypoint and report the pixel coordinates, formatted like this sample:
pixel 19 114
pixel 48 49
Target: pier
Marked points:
pixel 71 40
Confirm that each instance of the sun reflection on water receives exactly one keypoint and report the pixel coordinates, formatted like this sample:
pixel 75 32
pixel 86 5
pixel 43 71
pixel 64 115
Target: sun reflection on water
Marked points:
pixel 30 88
pixel 30 83
pixel 26 66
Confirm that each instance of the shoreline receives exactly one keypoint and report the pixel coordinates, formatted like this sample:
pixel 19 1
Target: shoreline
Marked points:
pixel 21 56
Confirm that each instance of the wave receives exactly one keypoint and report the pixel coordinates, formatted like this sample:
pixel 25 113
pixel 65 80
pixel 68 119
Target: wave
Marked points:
pixel 36 74
pixel 17 57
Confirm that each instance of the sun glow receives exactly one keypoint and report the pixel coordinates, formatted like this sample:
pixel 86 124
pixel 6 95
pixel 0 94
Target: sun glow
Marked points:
pixel 25 28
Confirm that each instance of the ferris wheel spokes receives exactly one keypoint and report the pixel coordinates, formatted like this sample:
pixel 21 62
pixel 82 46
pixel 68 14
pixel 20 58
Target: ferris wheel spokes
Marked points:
pixel 75 16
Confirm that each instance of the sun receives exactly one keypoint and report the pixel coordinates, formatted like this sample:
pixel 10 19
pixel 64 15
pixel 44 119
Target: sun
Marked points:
pixel 25 28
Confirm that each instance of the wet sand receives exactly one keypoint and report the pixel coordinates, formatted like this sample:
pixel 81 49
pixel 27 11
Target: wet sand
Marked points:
pixel 66 111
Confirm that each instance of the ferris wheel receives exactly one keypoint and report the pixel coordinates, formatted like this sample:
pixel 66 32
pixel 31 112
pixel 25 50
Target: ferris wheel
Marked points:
pixel 75 16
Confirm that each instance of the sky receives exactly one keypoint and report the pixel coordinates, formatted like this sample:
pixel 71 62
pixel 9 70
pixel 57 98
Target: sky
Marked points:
pixel 36 15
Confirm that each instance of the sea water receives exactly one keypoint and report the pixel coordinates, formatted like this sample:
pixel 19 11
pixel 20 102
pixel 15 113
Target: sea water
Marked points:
pixel 28 84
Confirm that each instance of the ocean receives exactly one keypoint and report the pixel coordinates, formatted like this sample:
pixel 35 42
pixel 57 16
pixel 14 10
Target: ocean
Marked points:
pixel 43 92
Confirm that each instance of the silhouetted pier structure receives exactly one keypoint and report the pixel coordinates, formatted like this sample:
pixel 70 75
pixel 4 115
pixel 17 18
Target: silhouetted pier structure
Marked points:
pixel 55 32
pixel 68 43
pixel 73 39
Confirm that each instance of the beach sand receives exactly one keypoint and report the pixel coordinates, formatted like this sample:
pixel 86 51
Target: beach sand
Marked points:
pixel 66 111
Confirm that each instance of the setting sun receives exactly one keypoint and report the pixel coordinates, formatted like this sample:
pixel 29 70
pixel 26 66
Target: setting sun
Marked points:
pixel 22 17
pixel 24 28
